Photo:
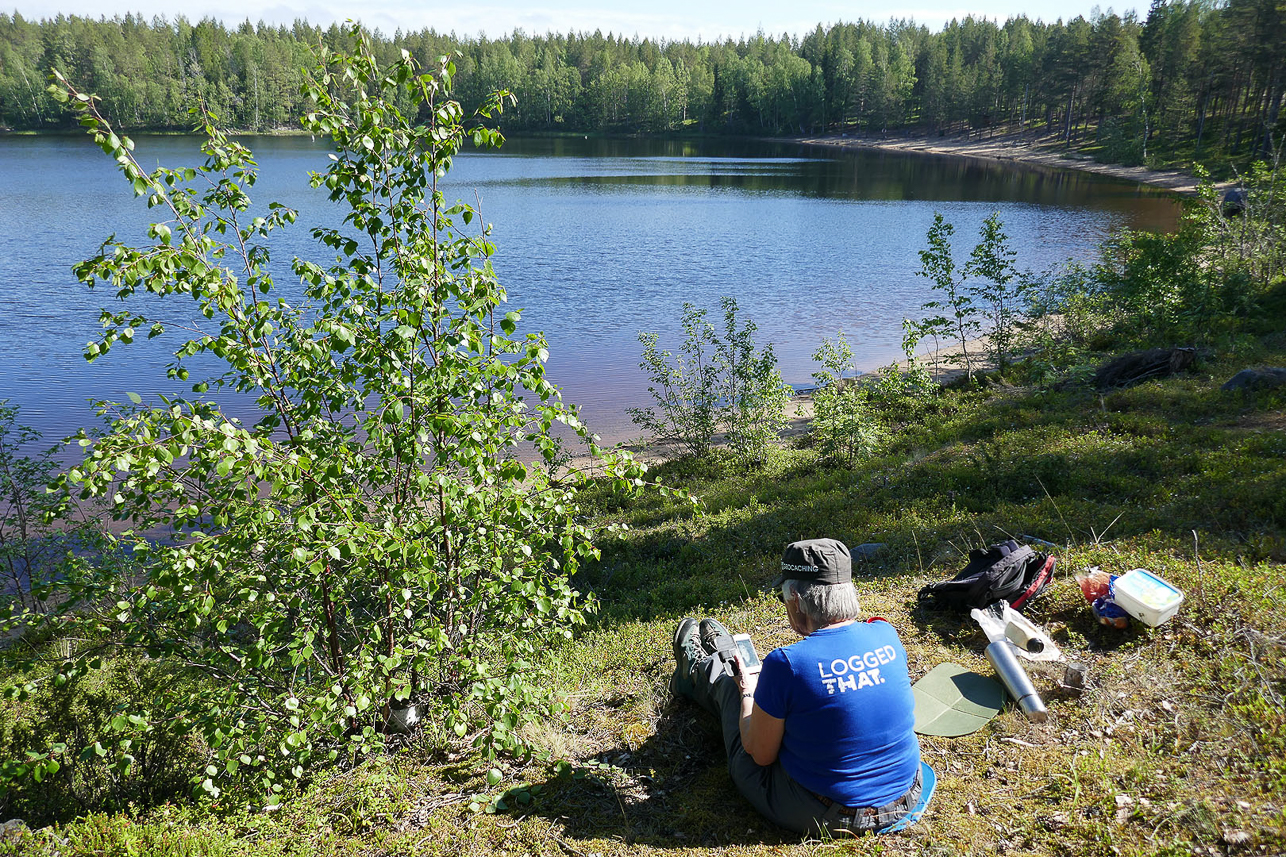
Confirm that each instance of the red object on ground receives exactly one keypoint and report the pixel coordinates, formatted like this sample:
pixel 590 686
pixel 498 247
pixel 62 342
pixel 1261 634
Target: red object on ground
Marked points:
pixel 1095 584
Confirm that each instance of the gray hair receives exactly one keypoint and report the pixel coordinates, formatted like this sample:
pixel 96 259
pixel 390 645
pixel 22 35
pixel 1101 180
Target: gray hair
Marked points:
pixel 823 604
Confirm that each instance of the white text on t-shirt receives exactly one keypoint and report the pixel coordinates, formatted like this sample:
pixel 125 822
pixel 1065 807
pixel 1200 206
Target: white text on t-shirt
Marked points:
pixel 857 672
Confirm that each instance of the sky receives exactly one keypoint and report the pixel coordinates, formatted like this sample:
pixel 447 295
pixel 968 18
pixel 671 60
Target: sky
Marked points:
pixel 657 19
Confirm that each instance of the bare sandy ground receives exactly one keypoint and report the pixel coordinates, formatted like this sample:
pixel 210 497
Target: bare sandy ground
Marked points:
pixel 1023 148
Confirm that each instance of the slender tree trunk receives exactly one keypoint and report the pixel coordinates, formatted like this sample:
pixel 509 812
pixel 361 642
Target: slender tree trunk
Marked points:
pixel 1147 132
pixel 1273 110
pixel 35 97
pixel 1203 103
pixel 332 629
pixel 1067 123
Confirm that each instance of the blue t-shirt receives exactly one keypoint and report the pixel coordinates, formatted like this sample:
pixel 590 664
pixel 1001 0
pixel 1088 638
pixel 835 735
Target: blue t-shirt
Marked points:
pixel 846 698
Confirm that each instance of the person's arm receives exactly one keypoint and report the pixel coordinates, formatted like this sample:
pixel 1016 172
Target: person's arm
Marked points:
pixel 761 733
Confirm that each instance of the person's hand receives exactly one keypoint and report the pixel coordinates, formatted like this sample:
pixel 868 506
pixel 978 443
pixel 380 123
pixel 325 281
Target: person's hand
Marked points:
pixel 747 681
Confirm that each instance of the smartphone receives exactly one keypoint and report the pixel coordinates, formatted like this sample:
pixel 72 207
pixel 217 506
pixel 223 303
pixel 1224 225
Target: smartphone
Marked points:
pixel 749 657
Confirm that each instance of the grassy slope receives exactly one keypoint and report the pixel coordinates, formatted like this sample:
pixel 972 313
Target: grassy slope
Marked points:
pixel 1179 745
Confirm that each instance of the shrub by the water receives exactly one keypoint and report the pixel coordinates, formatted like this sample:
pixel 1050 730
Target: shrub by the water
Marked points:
pixel 718 382
pixel 845 427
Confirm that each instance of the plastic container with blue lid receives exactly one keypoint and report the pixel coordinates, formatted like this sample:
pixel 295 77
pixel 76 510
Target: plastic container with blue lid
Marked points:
pixel 1146 597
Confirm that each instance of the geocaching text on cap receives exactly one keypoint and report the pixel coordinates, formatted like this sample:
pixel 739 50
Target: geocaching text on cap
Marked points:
pixel 825 561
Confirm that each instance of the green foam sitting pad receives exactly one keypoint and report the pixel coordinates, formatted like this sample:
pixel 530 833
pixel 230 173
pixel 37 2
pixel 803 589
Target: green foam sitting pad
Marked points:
pixel 951 701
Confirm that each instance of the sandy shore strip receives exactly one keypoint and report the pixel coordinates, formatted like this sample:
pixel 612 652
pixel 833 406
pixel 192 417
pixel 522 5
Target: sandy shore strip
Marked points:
pixel 1021 148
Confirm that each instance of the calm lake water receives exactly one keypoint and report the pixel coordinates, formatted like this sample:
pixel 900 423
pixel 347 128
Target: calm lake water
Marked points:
pixel 598 240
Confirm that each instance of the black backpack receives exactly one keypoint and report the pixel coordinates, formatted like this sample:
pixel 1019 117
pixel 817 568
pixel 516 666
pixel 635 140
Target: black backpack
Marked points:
pixel 1006 571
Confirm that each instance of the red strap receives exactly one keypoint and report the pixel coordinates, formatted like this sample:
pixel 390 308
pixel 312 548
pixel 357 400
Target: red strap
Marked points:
pixel 879 619
pixel 1042 577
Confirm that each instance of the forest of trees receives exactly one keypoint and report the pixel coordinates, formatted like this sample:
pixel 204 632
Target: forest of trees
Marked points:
pixel 1193 81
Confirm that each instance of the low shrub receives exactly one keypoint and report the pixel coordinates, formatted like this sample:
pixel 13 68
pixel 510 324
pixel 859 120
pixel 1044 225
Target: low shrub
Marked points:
pixel 845 428
pixel 72 747
pixel 718 382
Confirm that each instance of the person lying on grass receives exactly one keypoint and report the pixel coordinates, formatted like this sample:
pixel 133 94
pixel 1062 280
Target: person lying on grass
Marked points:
pixel 822 738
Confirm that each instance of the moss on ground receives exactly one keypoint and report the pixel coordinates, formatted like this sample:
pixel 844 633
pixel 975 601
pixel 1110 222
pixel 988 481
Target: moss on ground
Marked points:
pixel 1178 746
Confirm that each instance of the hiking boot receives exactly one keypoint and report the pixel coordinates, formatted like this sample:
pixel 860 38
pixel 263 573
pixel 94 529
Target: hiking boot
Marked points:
pixel 715 638
pixel 687 654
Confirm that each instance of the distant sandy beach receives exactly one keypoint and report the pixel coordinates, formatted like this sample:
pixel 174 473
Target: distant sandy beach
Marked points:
pixel 1016 148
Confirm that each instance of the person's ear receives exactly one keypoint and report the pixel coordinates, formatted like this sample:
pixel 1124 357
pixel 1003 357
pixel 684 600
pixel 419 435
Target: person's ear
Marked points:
pixel 795 617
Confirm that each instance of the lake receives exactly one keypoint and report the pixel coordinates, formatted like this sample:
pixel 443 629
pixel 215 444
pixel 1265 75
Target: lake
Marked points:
pixel 597 240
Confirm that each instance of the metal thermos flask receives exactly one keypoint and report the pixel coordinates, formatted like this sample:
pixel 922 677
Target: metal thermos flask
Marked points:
pixel 1015 679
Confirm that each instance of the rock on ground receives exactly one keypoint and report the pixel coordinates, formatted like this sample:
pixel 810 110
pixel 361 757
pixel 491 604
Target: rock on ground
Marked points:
pixel 1257 379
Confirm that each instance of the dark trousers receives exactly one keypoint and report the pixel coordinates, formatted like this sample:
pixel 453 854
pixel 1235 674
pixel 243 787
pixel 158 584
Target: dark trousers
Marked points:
pixel 768 787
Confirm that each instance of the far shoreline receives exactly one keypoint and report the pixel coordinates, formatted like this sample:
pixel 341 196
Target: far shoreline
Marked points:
pixel 1016 148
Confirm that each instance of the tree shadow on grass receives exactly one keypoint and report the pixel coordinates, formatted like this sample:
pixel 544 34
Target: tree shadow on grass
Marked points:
pixel 672 791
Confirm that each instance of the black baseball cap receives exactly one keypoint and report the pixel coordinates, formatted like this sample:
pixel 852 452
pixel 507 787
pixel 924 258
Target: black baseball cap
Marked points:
pixel 824 561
